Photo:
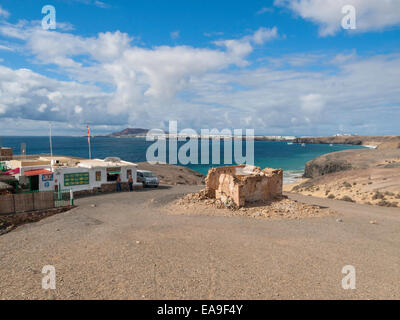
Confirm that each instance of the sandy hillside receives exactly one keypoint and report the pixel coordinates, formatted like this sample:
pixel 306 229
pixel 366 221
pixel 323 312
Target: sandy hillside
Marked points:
pixel 376 186
pixel 363 176
pixel 173 175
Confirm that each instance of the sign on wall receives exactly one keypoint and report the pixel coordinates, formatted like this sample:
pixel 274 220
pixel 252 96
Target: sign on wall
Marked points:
pixel 76 179
pixel 47 177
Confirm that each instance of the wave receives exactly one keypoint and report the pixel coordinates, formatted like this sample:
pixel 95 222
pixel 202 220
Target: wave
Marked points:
pixel 292 176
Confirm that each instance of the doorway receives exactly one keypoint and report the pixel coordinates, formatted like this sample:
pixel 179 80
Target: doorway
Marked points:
pixel 34 183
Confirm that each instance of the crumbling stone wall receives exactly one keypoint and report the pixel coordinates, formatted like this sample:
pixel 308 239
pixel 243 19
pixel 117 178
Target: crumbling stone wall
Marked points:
pixel 242 184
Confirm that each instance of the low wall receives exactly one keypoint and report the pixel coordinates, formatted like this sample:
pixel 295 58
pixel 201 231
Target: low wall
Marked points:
pixel 25 202
pixel 43 200
pixel 106 188
pixel 10 221
pixel 7 204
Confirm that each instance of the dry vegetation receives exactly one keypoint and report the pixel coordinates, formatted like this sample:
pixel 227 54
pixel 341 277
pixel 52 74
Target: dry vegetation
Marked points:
pixel 371 186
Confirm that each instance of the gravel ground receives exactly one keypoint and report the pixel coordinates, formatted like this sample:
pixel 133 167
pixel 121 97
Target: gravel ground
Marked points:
pixel 197 203
pixel 126 246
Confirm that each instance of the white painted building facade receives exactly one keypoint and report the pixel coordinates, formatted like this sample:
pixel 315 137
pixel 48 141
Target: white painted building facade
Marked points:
pixel 84 175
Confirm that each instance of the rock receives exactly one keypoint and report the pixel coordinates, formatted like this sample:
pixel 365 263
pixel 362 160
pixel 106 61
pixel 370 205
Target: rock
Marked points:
pixel 321 166
pixel 373 222
pixel 339 220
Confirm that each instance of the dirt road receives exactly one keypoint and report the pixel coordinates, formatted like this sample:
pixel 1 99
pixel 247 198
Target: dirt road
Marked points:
pixel 123 246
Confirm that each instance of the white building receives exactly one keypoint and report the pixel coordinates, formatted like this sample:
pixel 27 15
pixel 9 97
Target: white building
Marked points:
pixel 47 174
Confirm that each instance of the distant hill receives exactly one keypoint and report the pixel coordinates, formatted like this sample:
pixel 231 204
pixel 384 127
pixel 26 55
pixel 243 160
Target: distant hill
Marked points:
pixel 129 132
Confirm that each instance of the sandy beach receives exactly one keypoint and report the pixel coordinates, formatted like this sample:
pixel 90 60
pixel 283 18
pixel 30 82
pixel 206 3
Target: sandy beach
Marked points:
pixel 127 246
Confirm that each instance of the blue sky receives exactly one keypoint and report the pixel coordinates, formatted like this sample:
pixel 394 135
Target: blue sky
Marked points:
pixel 282 67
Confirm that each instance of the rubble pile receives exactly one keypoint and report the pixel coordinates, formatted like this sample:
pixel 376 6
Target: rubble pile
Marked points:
pixel 279 208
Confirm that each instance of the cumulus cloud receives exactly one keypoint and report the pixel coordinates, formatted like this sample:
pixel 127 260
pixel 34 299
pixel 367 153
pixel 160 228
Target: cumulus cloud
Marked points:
pixel 240 48
pixel 116 83
pixel 371 15
pixel 137 74
pixel 137 78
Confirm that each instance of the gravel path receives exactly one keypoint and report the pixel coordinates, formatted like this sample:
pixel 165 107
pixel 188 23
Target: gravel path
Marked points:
pixel 124 246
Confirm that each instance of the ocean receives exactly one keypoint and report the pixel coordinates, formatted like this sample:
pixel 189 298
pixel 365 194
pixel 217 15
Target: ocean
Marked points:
pixel 290 158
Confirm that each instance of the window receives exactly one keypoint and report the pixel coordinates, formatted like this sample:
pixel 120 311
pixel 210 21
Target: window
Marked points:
pixel 98 175
pixel 128 173
pixel 148 174
pixel 113 174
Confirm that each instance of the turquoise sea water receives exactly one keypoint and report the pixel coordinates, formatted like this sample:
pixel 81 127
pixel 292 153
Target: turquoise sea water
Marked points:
pixel 290 158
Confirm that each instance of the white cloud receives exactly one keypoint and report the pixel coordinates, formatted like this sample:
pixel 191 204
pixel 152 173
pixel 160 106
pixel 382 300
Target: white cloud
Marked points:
pixel 244 46
pixel 175 35
pixel 263 35
pixel 213 34
pixel 4 13
pixel 312 103
pixel 119 84
pixel 101 4
pixel 42 107
pixel 264 10
pixel 5 48
pixel 371 15
pixel 78 109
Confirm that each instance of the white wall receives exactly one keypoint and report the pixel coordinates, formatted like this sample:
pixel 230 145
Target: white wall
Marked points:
pixel 92 177
pixel 58 177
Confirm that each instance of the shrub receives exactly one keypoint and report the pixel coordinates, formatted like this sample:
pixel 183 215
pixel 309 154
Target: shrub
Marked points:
pixel 378 195
pixel 384 203
pixel 347 198
pixel 346 184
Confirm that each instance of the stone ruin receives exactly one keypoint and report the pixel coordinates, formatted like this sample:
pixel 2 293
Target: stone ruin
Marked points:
pixel 242 184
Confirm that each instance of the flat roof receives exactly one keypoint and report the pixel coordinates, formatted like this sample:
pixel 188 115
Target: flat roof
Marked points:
pixel 72 162
pixel 96 163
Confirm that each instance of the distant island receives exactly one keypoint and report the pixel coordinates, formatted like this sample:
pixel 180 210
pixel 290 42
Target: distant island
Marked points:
pixel 130 132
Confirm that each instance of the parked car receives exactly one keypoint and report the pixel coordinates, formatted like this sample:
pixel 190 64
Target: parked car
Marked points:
pixel 148 178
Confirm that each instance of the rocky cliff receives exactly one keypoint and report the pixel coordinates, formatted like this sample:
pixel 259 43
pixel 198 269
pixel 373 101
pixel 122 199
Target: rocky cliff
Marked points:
pixel 383 142
pixel 352 159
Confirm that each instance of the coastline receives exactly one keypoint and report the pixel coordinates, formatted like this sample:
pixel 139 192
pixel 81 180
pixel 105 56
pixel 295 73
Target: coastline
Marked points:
pixel 366 176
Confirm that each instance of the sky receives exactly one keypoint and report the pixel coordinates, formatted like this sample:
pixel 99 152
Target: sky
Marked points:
pixel 280 67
